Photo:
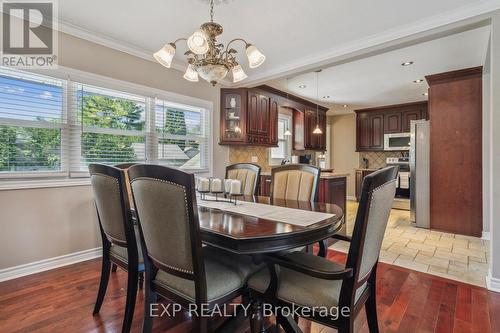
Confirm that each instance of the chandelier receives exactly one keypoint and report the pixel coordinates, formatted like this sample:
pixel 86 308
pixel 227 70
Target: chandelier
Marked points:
pixel 208 58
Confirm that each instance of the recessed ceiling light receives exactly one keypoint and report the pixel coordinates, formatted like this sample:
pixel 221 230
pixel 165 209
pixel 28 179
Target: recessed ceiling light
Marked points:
pixel 302 86
pixel 326 97
pixel 418 81
pixel 407 63
pixel 425 94
pixel 345 105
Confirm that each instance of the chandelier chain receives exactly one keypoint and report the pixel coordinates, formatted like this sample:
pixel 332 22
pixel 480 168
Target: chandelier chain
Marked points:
pixel 211 10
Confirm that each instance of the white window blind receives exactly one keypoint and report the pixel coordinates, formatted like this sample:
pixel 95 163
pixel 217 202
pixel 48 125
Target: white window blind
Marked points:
pixel 52 126
pixel 182 135
pixel 112 127
pixel 32 120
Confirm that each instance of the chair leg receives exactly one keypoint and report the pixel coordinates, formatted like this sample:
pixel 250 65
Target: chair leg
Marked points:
pixel 371 313
pixel 130 303
pixel 202 325
pixel 113 267
pixel 288 324
pixel 346 326
pixel 150 297
pixel 141 280
pixel 103 285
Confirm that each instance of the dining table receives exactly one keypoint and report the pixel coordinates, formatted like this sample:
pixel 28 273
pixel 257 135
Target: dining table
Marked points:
pixel 265 226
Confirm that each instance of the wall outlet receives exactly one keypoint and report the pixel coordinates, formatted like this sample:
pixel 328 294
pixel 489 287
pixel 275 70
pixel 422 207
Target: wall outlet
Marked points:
pixel 255 159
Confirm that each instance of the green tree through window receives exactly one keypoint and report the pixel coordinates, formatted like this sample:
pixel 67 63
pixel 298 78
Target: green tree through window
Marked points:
pixel 101 111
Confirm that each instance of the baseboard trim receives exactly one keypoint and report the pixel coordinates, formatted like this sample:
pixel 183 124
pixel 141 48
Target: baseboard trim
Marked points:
pixel 47 264
pixel 492 283
pixel 486 235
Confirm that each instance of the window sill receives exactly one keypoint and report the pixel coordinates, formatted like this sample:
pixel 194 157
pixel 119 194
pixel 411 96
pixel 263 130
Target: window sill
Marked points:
pixel 42 183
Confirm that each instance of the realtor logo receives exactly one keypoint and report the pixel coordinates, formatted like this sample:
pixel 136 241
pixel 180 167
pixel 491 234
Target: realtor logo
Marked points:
pixel 29 34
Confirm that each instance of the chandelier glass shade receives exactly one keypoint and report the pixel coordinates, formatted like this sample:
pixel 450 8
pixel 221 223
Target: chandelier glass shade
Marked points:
pixel 208 58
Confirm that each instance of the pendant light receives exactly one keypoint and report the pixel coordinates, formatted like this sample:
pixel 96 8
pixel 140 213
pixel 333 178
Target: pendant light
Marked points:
pixel 317 130
pixel 287 131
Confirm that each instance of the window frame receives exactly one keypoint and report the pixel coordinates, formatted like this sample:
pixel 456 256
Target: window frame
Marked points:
pixel 204 136
pixel 62 126
pixel 287 140
pixel 71 131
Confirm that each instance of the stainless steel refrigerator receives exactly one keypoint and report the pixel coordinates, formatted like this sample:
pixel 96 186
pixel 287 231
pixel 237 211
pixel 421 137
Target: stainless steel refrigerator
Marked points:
pixel 419 173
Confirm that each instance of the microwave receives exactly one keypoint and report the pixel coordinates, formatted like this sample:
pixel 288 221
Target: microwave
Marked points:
pixel 397 141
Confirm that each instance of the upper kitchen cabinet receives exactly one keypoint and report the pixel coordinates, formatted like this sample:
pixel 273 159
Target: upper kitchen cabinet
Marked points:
pixel 372 124
pixel 250 116
pixel 233 115
pixel 314 141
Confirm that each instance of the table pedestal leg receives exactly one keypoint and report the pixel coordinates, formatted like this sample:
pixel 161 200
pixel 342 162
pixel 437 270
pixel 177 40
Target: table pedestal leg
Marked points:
pixel 259 323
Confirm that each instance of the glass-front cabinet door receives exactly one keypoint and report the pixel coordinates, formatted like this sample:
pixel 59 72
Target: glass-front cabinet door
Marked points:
pixel 233 114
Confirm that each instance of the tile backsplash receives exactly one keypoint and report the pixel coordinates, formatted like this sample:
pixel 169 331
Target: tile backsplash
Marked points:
pixel 376 160
pixel 243 154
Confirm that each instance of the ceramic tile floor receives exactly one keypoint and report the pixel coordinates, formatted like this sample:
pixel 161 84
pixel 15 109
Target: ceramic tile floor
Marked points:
pixel 455 257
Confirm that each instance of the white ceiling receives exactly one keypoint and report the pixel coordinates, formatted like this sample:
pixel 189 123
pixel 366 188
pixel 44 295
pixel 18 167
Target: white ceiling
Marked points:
pixel 381 80
pixel 291 33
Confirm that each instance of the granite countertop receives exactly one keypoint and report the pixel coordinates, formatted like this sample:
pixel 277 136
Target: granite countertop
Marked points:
pixel 324 175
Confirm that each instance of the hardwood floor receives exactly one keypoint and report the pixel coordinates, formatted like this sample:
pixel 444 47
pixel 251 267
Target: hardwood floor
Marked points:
pixel 62 300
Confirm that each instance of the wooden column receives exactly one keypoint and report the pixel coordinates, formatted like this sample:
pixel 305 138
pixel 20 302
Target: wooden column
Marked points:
pixel 455 113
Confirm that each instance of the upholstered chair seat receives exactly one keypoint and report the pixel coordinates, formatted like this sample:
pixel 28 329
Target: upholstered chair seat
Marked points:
pixel 302 289
pixel 242 264
pixel 248 174
pixel 221 280
pixel 298 182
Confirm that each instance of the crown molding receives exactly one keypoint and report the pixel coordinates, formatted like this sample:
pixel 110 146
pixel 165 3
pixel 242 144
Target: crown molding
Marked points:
pixel 112 43
pixel 344 51
pixel 121 46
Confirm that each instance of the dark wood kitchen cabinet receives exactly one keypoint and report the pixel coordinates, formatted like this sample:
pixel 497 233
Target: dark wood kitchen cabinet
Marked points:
pixel 455 131
pixel 408 116
pixel 392 122
pixel 314 141
pixel 372 124
pixel 376 132
pixel 248 116
pixel 363 132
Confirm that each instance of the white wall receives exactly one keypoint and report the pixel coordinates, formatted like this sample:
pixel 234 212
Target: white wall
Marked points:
pixel 43 223
pixel 342 148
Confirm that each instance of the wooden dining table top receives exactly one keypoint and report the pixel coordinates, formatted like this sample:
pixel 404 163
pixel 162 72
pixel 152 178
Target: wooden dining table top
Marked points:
pixel 246 234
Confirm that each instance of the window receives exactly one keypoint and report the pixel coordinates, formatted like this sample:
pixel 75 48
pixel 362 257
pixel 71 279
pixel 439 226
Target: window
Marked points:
pixel 31 123
pixel 284 149
pixel 51 126
pixel 182 135
pixel 112 126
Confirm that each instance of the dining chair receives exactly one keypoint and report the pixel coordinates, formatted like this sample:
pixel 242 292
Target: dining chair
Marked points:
pixel 177 266
pixel 118 233
pixel 295 182
pixel 248 174
pixel 124 167
pixel 310 282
